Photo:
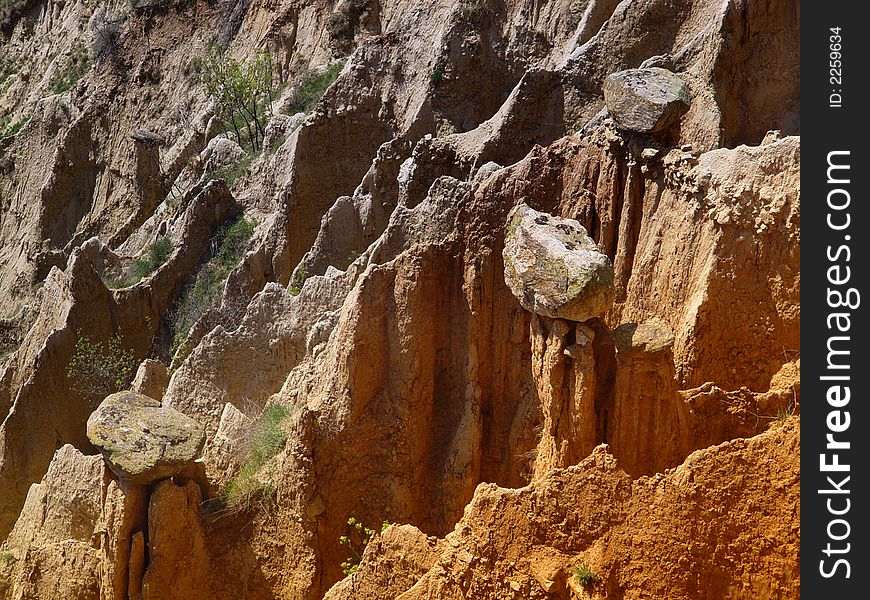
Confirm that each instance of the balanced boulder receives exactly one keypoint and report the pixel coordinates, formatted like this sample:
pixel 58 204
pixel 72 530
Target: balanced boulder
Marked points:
pixel 143 441
pixel 554 268
pixel 646 100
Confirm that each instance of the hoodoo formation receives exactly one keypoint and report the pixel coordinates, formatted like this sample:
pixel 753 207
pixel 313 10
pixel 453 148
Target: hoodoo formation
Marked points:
pixel 380 299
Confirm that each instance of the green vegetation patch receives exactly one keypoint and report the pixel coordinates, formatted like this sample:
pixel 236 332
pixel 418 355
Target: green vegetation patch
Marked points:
pixel 355 542
pixel 98 369
pixel 15 127
pixel 242 92
pixel 311 87
pixel 75 68
pixel 298 281
pixel 267 439
pixel 232 242
pixel 437 73
pixel 584 575
pixel 155 256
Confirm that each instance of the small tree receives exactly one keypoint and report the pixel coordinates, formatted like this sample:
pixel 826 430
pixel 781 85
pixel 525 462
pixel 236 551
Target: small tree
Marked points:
pixel 98 369
pixel 242 91
pixel 355 541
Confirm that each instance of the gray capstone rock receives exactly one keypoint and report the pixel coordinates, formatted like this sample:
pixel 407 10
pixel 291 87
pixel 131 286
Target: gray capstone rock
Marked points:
pixel 143 441
pixel 554 268
pixel 646 100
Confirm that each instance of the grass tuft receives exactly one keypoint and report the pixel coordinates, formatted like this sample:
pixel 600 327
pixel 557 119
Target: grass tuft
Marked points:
pixel 584 575
pixel 268 438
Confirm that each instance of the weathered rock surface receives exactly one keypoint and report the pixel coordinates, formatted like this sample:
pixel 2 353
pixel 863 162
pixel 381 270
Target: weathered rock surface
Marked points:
pixel 50 552
pixel 151 379
pixel 178 563
pixel 143 441
pixel 515 543
pixel 77 300
pixel 373 300
pixel 221 154
pixel 404 554
pixel 554 268
pixel 646 100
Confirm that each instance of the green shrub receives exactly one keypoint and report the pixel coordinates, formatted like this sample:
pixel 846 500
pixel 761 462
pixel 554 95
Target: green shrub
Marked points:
pixel 160 251
pixel 232 242
pixel 437 73
pixel 311 87
pixel 267 438
pixel 98 369
pixel 355 542
pixel 584 575
pixel 76 66
pixel 298 281
pixel 156 255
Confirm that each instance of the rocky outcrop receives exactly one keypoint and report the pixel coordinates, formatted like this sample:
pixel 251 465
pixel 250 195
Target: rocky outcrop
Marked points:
pixel 221 154
pixel 372 300
pixel 529 543
pixel 650 427
pixel 646 100
pixel 143 441
pixel 178 564
pixel 403 555
pixel 84 535
pixel 554 268
pixel 76 302
pixel 151 379
pixel 51 552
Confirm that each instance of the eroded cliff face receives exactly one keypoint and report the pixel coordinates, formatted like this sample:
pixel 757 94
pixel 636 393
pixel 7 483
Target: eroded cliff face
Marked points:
pixel 509 449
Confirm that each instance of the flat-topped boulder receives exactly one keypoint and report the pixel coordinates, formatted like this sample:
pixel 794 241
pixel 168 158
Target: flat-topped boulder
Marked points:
pixel 143 441
pixel 554 268
pixel 646 100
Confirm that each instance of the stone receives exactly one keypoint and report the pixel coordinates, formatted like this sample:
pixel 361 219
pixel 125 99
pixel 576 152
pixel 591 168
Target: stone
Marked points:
pixel 485 171
pixel 220 154
pixel 178 563
pixel 145 136
pixel 151 379
pixel 143 441
pixel 642 337
pixel 278 128
pixel 646 100
pixel 554 268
